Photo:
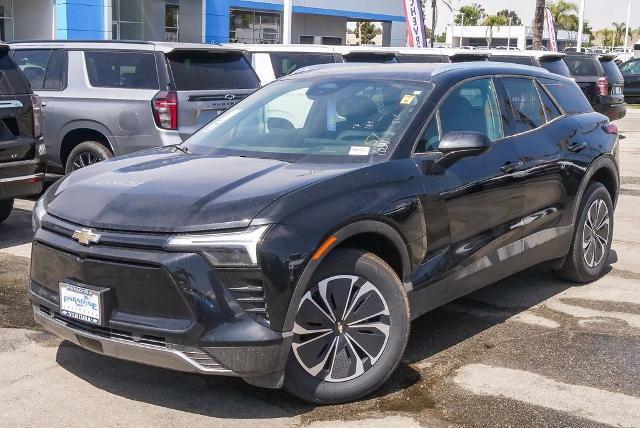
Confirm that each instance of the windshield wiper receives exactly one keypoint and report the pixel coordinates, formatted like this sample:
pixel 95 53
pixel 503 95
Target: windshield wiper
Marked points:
pixel 181 148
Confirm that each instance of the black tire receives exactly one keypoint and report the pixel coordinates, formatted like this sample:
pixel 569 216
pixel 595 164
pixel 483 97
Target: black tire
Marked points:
pixel 579 266
pixel 368 268
pixel 6 205
pixel 85 154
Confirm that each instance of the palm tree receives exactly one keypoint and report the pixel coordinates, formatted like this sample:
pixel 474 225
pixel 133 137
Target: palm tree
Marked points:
pixel 619 29
pixel 538 24
pixel 564 14
pixel 492 21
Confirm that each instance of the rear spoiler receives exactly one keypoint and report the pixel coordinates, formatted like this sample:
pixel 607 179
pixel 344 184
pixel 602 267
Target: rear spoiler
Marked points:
pixel 607 57
pixel 551 56
pixel 469 55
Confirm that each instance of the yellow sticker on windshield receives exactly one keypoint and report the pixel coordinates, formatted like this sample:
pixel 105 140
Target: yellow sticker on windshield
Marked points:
pixel 407 99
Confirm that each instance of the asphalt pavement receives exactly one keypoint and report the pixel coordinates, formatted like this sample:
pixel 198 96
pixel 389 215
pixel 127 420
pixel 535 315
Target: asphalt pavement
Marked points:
pixel 530 350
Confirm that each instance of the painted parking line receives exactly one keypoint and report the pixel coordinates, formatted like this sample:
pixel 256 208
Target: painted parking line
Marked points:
pixel 582 401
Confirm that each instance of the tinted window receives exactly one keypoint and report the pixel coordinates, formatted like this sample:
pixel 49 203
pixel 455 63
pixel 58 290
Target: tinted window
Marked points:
pixel 556 66
pixel 413 58
pixel 430 139
pixel 56 77
pixel 201 70
pixel 611 69
pixel 550 109
pixel 525 104
pixel 631 67
pixel 12 80
pixel 569 96
pixel 116 69
pixel 473 107
pixel 523 60
pixel 370 57
pixel 582 66
pixel 286 63
pixel 33 63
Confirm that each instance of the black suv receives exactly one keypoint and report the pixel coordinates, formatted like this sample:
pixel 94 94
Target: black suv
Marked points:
pixel 22 151
pixel 601 81
pixel 292 240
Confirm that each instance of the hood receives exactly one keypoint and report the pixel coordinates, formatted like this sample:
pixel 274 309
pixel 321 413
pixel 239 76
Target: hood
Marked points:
pixel 167 191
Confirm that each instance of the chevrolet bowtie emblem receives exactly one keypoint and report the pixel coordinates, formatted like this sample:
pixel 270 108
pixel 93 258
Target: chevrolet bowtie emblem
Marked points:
pixel 86 236
pixel 229 96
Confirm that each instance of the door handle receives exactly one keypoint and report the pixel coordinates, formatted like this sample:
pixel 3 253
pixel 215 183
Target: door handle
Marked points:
pixel 577 147
pixel 511 167
pixel 44 104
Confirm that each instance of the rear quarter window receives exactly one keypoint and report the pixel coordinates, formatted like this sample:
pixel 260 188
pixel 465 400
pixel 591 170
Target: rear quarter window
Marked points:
pixel 205 70
pixel 582 66
pixel 568 95
pixel 286 63
pixel 611 69
pixel 556 66
pixel 121 69
pixel 12 81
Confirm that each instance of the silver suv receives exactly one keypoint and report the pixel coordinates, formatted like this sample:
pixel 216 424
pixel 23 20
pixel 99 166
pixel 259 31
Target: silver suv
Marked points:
pixel 104 99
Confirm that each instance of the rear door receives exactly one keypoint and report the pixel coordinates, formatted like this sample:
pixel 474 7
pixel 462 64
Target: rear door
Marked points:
pixel 208 82
pixel 17 142
pixel 631 73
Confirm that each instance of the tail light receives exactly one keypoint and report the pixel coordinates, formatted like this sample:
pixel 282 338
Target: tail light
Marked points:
pixel 37 116
pixel 610 128
pixel 602 87
pixel 165 110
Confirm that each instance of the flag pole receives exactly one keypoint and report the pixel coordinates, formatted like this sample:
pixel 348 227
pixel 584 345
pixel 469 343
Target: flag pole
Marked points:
pixel 580 26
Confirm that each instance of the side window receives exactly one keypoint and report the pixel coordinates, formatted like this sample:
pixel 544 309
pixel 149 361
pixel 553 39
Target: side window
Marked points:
pixel 431 137
pixel 33 63
pixel 525 103
pixel 568 95
pixel 472 106
pixel 550 109
pixel 116 69
pixel 631 67
pixel 56 77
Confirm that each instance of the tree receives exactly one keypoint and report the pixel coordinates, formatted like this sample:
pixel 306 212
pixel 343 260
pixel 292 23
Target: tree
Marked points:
pixel 366 32
pixel 472 14
pixel 493 21
pixel 619 29
pixel 564 14
pixel 607 36
pixel 538 25
pixel 515 19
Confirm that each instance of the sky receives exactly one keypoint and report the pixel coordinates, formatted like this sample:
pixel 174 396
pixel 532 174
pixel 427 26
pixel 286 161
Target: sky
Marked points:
pixel 599 13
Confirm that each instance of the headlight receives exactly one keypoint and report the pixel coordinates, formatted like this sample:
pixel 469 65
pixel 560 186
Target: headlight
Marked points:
pixel 37 214
pixel 224 248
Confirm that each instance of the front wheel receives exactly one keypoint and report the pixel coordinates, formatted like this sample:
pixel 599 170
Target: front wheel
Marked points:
pixel 592 238
pixel 350 330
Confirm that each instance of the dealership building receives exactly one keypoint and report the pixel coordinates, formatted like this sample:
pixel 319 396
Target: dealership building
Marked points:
pixel 208 21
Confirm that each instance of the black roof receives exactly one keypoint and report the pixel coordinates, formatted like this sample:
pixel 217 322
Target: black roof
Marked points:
pixel 423 72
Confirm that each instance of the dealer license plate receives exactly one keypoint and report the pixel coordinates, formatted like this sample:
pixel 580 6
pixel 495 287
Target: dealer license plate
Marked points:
pixel 80 303
pixel 617 90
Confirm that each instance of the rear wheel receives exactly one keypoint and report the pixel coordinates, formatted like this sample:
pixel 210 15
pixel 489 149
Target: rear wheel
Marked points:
pixel 592 238
pixel 350 331
pixel 6 205
pixel 85 154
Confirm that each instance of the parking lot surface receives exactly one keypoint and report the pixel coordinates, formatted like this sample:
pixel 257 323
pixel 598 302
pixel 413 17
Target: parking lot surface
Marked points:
pixel 530 350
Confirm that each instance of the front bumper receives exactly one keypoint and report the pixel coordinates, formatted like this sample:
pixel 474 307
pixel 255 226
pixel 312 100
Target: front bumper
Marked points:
pixel 165 309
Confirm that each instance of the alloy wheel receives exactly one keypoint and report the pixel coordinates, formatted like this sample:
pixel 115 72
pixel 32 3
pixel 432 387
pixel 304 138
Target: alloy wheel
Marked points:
pixel 84 159
pixel 595 235
pixel 341 329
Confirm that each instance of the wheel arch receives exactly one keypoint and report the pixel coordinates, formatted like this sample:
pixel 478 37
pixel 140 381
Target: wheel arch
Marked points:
pixel 78 132
pixel 389 245
pixel 602 170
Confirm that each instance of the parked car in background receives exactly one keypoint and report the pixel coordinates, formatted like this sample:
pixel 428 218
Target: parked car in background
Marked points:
pixel 550 61
pixel 22 151
pixel 631 73
pixel 601 82
pixel 296 253
pixel 272 61
pixel 103 99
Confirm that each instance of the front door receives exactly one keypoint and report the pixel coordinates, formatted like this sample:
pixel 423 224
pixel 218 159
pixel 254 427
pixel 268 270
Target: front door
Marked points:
pixel 474 203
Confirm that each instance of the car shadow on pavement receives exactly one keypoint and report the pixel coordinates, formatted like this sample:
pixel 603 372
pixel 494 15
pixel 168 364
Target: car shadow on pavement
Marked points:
pixel 226 397
pixel 16 230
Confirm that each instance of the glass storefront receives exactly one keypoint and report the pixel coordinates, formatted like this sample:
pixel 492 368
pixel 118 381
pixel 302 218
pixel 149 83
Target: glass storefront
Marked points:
pixel 127 18
pixel 6 20
pixel 247 26
pixel 171 20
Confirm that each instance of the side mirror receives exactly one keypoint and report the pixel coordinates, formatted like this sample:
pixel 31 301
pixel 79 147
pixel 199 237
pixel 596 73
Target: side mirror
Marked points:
pixel 465 143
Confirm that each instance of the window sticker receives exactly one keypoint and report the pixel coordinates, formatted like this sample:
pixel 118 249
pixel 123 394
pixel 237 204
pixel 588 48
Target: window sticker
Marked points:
pixel 359 151
pixel 407 99
pixel 331 115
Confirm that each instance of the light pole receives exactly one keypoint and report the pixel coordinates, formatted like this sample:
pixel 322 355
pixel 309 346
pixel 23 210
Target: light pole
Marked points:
pixel 286 18
pixel 626 30
pixel 580 26
pixel 509 35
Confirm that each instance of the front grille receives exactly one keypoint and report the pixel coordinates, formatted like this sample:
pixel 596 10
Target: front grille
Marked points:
pixel 247 289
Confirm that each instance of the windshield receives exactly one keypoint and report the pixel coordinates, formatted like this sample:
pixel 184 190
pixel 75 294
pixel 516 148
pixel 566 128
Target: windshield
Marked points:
pixel 330 120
